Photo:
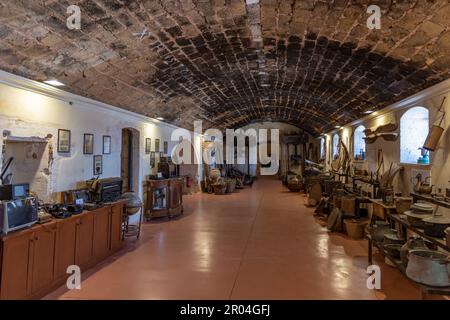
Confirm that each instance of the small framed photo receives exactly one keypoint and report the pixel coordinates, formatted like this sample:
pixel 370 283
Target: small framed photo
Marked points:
pixel 166 147
pixel 98 165
pixel 148 145
pixel 63 141
pixel 156 145
pixel 88 143
pixel 106 144
pixel 152 159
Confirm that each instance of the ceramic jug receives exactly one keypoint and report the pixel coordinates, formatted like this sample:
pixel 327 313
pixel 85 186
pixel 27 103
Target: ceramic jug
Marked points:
pixel 411 244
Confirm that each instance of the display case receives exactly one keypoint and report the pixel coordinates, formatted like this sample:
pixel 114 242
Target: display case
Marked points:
pixel 163 198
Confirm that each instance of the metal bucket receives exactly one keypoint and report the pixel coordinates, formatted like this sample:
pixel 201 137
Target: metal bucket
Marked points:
pixel 433 137
pixel 429 267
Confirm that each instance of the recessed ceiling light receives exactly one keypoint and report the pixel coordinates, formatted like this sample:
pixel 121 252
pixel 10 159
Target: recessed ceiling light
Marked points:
pixel 251 1
pixel 337 127
pixel 54 83
pixel 265 85
pixel 368 111
pixel 160 118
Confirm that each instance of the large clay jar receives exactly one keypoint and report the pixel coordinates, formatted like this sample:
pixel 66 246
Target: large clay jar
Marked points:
pixel 429 267
pixel 412 244
pixel 380 229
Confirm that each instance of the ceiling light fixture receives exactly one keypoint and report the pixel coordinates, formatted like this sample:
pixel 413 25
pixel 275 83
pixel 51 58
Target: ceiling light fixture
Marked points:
pixel 249 2
pixel 337 127
pixel 160 118
pixel 368 111
pixel 54 83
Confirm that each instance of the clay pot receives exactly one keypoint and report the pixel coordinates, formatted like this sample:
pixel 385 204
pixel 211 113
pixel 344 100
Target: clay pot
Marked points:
pixel 231 185
pixel 220 188
pixel 412 244
pixel 294 184
pixel 380 229
pixel 431 268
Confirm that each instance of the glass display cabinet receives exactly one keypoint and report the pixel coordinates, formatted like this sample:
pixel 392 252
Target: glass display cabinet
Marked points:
pixel 163 198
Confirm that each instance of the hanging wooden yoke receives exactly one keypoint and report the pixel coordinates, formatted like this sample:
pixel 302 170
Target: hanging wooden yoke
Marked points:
pixel 435 132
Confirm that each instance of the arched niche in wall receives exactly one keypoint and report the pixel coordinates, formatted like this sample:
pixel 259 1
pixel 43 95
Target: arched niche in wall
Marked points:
pixel 335 146
pixel 359 144
pixel 414 127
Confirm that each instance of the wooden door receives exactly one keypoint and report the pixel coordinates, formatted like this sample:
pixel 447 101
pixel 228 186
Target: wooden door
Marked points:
pixel 116 227
pixel 15 265
pixel 101 232
pixel 65 245
pixel 85 239
pixel 43 257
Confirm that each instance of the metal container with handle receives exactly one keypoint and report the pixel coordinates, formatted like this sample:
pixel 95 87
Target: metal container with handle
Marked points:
pixel 429 267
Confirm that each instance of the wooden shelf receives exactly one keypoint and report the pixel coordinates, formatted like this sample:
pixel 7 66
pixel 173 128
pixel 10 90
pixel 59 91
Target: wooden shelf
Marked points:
pixel 439 242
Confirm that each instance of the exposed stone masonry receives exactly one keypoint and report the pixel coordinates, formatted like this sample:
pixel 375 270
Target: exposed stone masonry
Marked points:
pixel 318 64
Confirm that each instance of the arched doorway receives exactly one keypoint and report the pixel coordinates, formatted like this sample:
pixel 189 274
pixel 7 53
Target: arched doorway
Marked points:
pixel 130 159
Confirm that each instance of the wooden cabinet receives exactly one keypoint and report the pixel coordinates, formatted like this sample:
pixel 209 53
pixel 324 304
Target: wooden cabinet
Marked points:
pixel 84 241
pixel 28 261
pixel 34 261
pixel 15 266
pixel 43 243
pixel 65 246
pixel 116 228
pixel 101 232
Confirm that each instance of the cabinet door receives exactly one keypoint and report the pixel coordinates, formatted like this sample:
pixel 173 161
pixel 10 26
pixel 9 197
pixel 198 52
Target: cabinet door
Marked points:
pixel 43 257
pixel 175 193
pixel 15 266
pixel 101 232
pixel 85 234
pixel 116 227
pixel 65 246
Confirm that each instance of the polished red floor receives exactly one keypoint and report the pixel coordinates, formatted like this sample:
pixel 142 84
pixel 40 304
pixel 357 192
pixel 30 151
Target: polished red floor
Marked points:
pixel 260 243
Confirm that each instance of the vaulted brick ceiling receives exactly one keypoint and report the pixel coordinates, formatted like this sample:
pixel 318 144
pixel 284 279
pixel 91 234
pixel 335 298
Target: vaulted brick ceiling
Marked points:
pixel 311 63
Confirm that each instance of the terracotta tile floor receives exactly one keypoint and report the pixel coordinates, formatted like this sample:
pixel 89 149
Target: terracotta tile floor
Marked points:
pixel 260 243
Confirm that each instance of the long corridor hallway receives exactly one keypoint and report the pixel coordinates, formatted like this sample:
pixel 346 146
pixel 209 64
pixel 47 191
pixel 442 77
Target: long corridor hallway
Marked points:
pixel 260 243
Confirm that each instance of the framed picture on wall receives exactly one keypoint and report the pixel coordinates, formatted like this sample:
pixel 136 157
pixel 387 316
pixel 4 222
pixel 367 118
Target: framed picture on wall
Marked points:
pixel 63 141
pixel 166 147
pixel 106 144
pixel 98 165
pixel 88 143
pixel 157 145
pixel 152 159
pixel 148 145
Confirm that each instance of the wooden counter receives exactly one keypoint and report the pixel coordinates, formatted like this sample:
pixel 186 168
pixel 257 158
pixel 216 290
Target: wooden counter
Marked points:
pixel 34 260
